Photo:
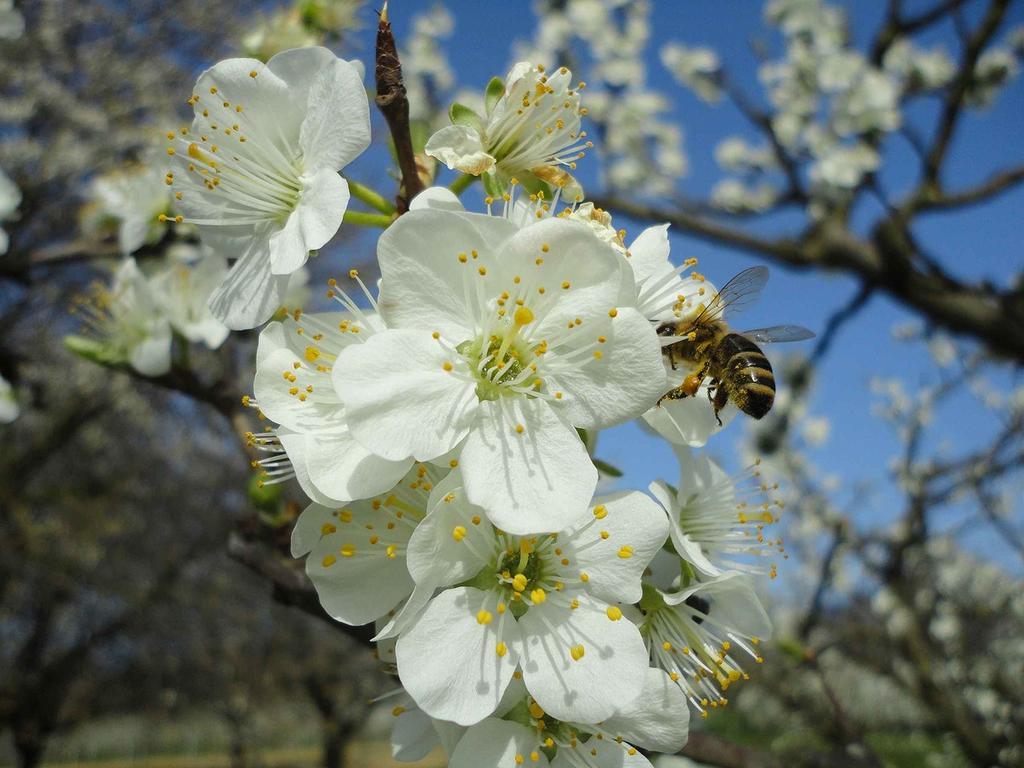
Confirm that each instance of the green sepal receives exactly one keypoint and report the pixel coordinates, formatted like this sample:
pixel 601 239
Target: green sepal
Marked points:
pixel 92 350
pixel 792 648
pixel 493 93
pixel 492 185
pixel 266 497
pixel 460 114
pixel 607 469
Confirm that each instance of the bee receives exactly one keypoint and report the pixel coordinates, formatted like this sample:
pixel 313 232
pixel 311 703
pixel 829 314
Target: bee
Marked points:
pixel 734 363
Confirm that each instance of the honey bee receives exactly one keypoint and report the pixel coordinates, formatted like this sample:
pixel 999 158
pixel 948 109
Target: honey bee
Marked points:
pixel 736 366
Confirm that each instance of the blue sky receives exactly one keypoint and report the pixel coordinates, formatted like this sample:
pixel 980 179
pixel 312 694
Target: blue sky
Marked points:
pixel 978 242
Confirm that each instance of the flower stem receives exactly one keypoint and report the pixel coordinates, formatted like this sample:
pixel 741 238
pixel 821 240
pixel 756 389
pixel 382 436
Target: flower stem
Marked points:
pixel 369 196
pixel 361 219
pixel 462 183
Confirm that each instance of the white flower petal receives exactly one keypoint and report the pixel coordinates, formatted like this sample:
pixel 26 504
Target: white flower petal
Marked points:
pixel 412 736
pixel 658 719
pixel 437 198
pixel 250 294
pixel 689 420
pixel 294 444
pixel 733 604
pixel 687 548
pixel 341 468
pixel 649 253
pixel 152 356
pixel 448 661
pixel 623 383
pixel 568 252
pixel 364 584
pixel 616 543
pixel 461 149
pixel 424 284
pixel 609 671
pixel 315 220
pixel 494 742
pixel 337 126
pixel 600 753
pixel 530 481
pixel 400 401
pixel 447 546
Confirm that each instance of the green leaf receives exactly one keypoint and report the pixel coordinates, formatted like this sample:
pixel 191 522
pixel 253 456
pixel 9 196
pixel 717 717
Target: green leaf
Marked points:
pixel 495 90
pixel 460 114
pixel 792 648
pixel 607 469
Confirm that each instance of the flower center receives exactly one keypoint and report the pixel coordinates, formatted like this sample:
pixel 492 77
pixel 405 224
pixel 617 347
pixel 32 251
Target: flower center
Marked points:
pixel 503 363
pixel 255 177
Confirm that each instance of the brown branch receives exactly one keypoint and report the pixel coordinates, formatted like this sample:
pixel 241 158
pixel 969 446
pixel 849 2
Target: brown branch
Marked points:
pixel 714 750
pixel 989 188
pixel 953 107
pixel 290 585
pixel 394 105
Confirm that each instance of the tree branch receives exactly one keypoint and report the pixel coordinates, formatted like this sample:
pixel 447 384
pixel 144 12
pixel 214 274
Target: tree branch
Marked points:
pixel 989 188
pixel 394 105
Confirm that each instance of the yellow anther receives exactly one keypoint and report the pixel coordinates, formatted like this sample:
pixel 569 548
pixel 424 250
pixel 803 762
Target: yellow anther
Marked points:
pixel 520 428
pixel 484 616
pixel 327 528
pixel 626 552
pixel 577 652
pixel 536 711
pixel 312 354
pixel 459 533
pixel 605 534
pixel 328 561
pixel 501 649
pixel 538 596
pixel 398 711
pixel 600 511
pixel 347 550
pixel 447 366
pixel 613 312
pixel 519 582
pixel 523 316
pixel 614 612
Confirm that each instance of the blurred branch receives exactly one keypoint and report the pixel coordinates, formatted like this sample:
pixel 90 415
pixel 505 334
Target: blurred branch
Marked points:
pixel 988 189
pixel 290 584
pixel 715 750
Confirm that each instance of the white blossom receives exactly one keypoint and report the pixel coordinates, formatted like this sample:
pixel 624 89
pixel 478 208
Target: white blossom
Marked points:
pixel 12 23
pixel 922 70
pixel 545 605
pixel 294 387
pixel 182 290
pixel 736 197
pixel 9 408
pixel 842 167
pixel 138 200
pixel 995 68
pixel 695 635
pixel 126 324
pixel 10 199
pixel 658 719
pixel 500 342
pixel 697 68
pixel 531 127
pixel 257 170
pixel 715 518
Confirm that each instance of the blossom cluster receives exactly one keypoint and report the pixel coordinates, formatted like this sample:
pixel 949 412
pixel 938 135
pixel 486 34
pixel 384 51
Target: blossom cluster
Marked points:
pixel 830 105
pixel 441 422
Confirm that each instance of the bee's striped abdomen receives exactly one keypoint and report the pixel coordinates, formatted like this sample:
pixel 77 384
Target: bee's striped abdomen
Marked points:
pixel 746 374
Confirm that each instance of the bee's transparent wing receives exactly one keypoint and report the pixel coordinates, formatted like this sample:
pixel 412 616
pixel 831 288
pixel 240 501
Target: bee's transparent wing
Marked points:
pixel 742 291
pixel 778 333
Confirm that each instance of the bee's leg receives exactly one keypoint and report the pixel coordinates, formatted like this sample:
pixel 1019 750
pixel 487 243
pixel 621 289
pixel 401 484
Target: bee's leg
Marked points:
pixel 719 401
pixel 688 388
